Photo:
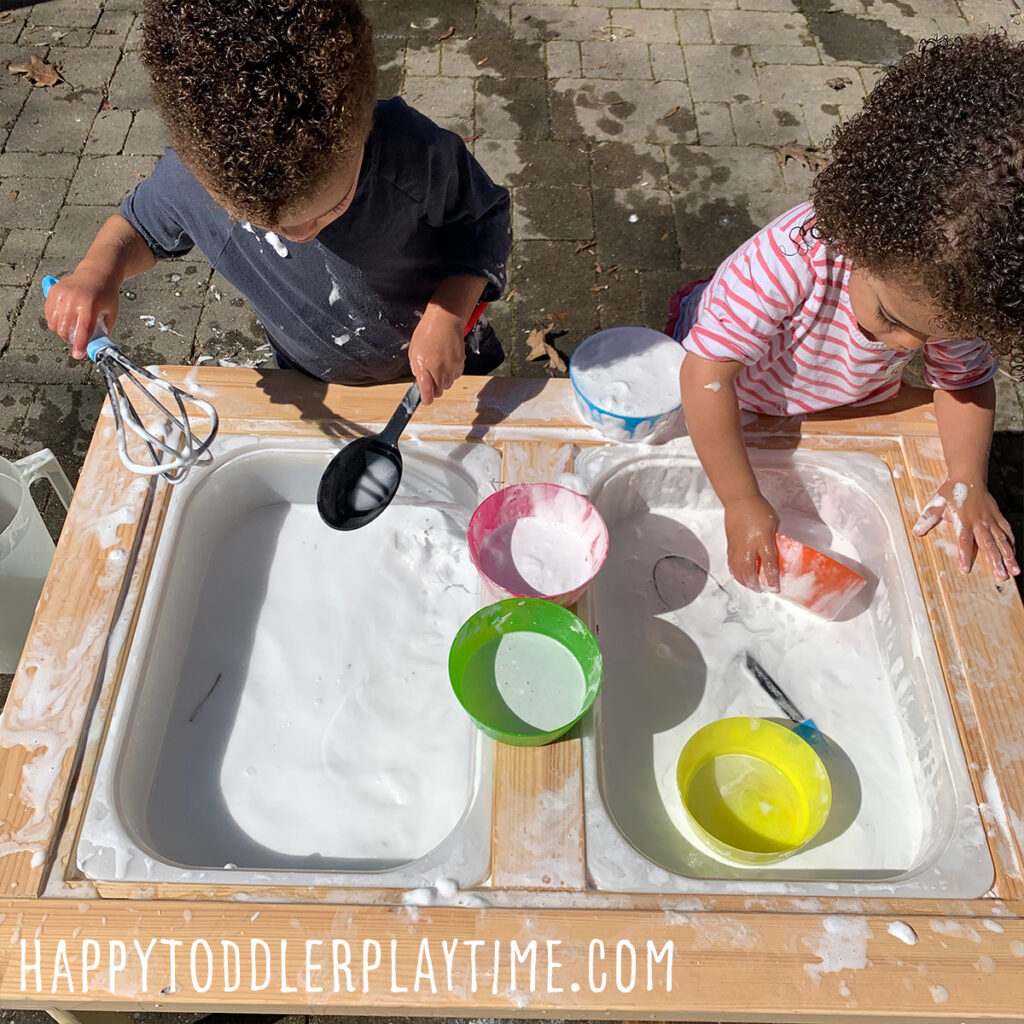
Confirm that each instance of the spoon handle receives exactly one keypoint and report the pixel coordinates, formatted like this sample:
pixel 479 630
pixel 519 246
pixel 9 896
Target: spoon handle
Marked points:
pixel 401 416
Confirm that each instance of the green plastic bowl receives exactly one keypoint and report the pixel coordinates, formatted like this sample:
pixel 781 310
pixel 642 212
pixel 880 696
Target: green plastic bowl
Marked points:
pixel 755 791
pixel 525 670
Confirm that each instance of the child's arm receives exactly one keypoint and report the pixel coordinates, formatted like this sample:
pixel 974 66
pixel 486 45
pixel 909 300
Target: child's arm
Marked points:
pixel 79 299
pixel 965 418
pixel 471 215
pixel 713 421
pixel 437 351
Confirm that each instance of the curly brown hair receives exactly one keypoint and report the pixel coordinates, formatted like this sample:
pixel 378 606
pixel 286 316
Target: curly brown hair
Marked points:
pixel 263 98
pixel 926 185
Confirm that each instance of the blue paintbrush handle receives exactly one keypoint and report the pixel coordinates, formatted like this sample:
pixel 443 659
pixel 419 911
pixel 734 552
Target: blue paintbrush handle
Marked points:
pixel 810 733
pixel 805 727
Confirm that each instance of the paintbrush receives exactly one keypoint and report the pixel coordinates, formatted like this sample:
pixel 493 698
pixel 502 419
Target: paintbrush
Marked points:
pixel 805 727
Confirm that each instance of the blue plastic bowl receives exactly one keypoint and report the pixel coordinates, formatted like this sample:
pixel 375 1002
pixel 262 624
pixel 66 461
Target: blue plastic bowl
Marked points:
pixel 627 354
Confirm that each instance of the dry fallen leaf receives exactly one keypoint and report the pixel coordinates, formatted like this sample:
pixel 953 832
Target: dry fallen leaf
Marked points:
pixel 539 348
pixel 36 71
pixel 555 316
pixel 805 156
pixel 481 63
pixel 536 344
pixel 671 113
pixel 446 34
pixel 839 83
pixel 14 195
pixel 584 246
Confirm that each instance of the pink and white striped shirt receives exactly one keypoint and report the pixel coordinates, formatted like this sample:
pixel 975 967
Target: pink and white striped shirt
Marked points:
pixel 781 306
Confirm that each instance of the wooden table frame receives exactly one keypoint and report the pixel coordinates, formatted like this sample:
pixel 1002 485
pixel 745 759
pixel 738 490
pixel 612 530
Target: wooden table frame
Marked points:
pixel 730 957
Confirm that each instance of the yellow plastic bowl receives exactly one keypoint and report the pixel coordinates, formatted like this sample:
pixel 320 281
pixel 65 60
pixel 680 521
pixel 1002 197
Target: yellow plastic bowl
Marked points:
pixel 755 791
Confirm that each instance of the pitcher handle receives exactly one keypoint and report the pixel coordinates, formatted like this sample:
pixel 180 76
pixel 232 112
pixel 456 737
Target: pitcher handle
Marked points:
pixel 44 464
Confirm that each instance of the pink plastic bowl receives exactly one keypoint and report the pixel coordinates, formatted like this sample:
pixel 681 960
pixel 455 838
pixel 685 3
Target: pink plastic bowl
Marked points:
pixel 538 540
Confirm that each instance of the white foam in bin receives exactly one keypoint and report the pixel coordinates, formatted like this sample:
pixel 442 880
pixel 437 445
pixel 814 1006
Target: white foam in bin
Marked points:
pixel 285 714
pixel 904 820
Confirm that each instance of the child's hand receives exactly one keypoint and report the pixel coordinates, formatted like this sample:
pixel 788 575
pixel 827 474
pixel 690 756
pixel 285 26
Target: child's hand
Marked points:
pixel 437 353
pixel 750 525
pixel 77 301
pixel 977 524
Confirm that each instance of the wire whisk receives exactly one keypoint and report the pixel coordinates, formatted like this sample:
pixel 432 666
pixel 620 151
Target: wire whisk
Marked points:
pixel 173 445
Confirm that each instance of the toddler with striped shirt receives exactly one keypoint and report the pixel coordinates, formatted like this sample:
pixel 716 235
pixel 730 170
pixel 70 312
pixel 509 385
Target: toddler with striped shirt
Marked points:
pixel 913 239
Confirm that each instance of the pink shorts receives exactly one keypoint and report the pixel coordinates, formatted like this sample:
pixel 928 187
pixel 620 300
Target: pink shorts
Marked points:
pixel 682 309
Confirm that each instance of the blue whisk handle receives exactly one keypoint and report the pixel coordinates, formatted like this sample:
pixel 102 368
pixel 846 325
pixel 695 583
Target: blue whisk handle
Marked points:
pixel 100 341
pixel 97 345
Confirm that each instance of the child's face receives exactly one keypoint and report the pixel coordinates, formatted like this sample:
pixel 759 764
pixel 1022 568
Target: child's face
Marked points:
pixel 891 314
pixel 306 220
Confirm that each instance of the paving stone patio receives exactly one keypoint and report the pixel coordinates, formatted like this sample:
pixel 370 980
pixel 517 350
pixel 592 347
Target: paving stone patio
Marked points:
pixel 634 135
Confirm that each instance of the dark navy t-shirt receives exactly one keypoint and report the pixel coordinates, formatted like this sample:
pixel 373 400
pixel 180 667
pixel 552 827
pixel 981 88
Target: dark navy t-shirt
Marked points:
pixel 344 305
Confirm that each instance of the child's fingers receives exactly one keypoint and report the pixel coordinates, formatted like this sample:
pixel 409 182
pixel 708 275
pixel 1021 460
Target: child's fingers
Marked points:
pixel 769 556
pixel 966 546
pixel 1002 560
pixel 931 515
pixel 451 373
pixel 62 322
pixel 1004 541
pixel 68 330
pixel 72 323
pixel 423 376
pixel 743 566
pixel 442 382
pixel 1011 563
pixel 60 318
pixel 53 311
pixel 990 551
pixel 1007 533
pixel 84 328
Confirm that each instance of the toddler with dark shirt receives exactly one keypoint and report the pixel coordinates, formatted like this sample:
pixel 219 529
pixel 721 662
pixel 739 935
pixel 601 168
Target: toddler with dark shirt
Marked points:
pixel 362 234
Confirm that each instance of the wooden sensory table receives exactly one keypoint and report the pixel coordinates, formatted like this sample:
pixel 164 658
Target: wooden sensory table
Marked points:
pixel 730 958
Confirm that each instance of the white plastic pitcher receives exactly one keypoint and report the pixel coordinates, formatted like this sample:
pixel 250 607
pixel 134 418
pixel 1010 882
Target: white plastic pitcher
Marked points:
pixel 25 547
